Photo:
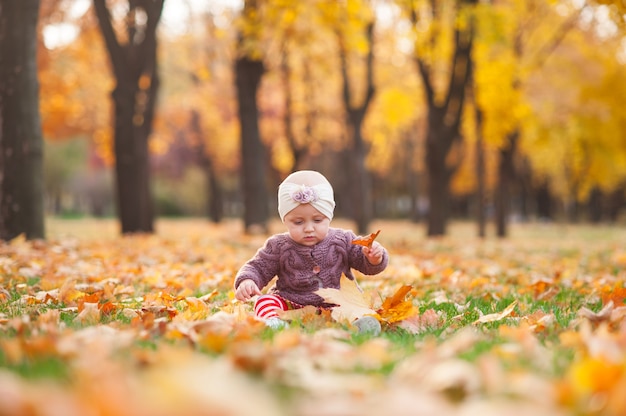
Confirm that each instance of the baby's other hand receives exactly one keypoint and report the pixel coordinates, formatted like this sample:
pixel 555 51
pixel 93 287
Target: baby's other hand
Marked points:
pixel 374 253
pixel 246 290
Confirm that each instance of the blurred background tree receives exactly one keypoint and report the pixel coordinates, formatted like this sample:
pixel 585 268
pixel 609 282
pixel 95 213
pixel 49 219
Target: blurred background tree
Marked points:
pixel 383 82
pixel 131 43
pixel 21 143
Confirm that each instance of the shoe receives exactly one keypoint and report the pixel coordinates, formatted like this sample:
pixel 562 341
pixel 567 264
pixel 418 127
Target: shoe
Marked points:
pixel 368 324
pixel 275 323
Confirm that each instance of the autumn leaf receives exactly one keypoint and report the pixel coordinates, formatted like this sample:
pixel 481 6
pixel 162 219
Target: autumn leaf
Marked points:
pixel 396 308
pixel 366 241
pixel 616 294
pixel 350 301
pixel 196 309
pixel 418 323
pixel 596 317
pixel 540 321
pixel 4 295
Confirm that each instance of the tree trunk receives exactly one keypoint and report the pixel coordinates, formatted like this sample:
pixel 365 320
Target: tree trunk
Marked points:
pixel 438 142
pixel 248 73
pixel 361 181
pixel 215 199
pixel 412 178
pixel 444 129
pixel 134 65
pixel 480 177
pixel 360 176
pixel 480 159
pixel 21 142
pixel 506 177
pixel 544 202
pixel 444 119
pixel 616 203
pixel 595 204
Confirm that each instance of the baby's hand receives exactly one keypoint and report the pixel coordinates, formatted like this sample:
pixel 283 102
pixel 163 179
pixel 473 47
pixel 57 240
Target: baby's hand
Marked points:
pixel 374 253
pixel 246 290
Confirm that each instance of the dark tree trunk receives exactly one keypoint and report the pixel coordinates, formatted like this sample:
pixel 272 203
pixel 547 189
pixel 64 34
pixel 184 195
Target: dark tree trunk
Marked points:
pixel 412 178
pixel 506 177
pixel 444 122
pixel 248 73
pixel 355 115
pixel 480 159
pixel 215 198
pixel 616 203
pixel 544 202
pixel 134 64
pixel 595 204
pixel 438 183
pixel 480 177
pixel 21 142
pixel 524 179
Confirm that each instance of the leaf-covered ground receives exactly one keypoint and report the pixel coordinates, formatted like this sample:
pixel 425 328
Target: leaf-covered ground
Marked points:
pixel 95 324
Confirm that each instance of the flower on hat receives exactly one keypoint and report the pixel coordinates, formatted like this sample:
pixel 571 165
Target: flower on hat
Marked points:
pixel 304 195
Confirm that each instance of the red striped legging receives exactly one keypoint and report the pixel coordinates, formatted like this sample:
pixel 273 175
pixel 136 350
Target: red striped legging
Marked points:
pixel 267 306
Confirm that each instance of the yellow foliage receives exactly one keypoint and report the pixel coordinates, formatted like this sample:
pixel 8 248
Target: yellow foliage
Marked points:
pixel 396 106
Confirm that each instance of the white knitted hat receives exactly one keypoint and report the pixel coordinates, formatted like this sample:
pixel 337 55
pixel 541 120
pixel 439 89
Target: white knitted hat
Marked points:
pixel 306 187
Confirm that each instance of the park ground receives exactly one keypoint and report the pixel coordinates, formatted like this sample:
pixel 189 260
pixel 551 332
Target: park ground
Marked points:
pixel 95 323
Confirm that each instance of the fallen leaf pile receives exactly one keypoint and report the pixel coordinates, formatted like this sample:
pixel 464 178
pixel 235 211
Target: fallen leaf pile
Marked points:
pixel 148 325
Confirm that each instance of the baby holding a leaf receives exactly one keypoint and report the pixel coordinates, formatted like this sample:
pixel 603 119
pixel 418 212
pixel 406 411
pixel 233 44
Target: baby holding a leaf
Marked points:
pixel 310 256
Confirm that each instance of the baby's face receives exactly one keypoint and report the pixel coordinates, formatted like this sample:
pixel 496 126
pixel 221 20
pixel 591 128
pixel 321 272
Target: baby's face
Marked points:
pixel 306 225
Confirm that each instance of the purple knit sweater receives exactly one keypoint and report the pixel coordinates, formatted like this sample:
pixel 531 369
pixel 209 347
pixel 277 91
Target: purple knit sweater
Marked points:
pixel 302 270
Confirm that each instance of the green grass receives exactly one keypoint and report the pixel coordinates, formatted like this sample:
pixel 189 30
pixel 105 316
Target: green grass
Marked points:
pixel 38 367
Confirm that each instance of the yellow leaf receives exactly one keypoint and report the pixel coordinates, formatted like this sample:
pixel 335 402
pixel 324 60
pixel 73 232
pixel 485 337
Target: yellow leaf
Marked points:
pixel 396 308
pixel 197 309
pixel 350 301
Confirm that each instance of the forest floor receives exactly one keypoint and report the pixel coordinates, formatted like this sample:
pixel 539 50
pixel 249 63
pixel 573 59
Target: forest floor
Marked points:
pixel 92 323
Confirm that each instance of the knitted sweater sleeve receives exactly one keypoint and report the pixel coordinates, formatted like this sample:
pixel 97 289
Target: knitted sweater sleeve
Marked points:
pixel 263 266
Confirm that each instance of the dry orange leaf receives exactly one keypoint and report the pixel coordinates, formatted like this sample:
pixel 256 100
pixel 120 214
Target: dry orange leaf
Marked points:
pixel 366 241
pixel 616 294
pixel 108 308
pixel 396 308
pixel 397 297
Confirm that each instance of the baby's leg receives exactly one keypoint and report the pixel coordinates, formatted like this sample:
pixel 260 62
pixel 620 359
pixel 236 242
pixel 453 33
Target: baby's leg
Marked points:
pixel 267 306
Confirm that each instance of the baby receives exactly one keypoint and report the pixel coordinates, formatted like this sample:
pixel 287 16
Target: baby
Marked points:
pixel 309 256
